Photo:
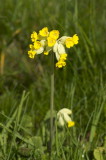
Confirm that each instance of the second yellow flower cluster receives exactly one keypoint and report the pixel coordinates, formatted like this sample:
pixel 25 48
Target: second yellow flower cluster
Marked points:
pixel 63 117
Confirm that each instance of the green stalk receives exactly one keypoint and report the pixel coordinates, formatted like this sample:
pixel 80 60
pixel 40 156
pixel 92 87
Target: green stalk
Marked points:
pixel 76 15
pixel 51 101
pixel 57 145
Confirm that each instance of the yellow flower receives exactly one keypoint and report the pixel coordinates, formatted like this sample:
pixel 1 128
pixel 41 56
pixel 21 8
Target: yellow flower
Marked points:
pixel 37 45
pixel 71 123
pixel 54 34
pixel 69 42
pixel 51 41
pixel 63 116
pixel 31 53
pixel 60 64
pixel 44 32
pixel 34 36
pixel 75 39
pixel 63 56
pixel 31 47
pixel 46 53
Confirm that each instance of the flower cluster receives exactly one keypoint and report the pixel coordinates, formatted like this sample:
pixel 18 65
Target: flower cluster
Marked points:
pixel 45 41
pixel 63 117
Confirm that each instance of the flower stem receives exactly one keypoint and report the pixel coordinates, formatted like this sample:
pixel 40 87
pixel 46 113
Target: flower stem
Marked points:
pixel 51 101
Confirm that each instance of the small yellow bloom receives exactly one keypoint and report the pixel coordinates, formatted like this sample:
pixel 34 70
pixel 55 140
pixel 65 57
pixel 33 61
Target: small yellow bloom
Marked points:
pixel 37 45
pixel 75 39
pixel 71 123
pixel 69 42
pixel 54 34
pixel 46 53
pixel 60 64
pixel 51 41
pixel 34 36
pixel 31 47
pixel 44 32
pixel 31 54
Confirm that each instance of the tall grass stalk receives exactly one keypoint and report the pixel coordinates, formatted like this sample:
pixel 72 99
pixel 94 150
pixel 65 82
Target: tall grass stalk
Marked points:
pixel 18 113
pixel 97 113
pixel 76 15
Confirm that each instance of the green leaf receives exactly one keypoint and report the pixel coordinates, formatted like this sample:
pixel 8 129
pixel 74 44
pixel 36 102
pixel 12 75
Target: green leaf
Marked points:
pixel 98 153
pixel 36 141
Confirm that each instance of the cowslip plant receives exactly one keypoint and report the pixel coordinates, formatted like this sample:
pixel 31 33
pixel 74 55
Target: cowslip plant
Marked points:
pixel 45 41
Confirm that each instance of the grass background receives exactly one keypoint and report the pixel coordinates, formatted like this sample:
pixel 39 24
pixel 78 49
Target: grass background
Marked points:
pixel 80 86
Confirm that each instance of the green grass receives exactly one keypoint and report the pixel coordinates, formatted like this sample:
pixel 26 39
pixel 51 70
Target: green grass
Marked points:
pixel 25 83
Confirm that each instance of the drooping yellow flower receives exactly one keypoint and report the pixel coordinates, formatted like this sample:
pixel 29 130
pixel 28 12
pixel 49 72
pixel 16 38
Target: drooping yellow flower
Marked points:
pixel 37 44
pixel 31 53
pixel 60 64
pixel 71 123
pixel 69 42
pixel 63 56
pixel 75 39
pixel 64 118
pixel 44 32
pixel 51 41
pixel 54 34
pixel 34 36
